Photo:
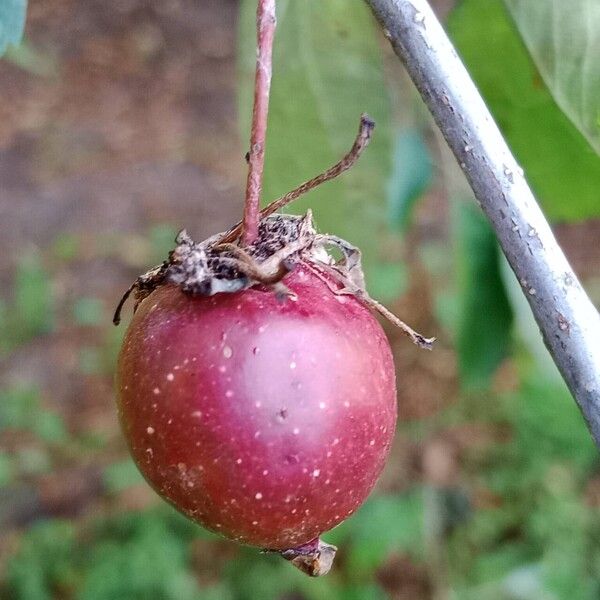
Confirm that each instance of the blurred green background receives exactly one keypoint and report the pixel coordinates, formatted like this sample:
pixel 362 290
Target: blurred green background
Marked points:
pixel 123 121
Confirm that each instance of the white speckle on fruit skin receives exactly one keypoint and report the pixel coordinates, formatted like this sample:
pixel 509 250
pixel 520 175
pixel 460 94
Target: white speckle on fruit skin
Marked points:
pixel 170 376
pixel 322 405
pixel 265 472
pixel 197 414
pixel 222 368
pixel 316 472
pixel 150 430
pixel 258 496
pixel 296 431
pixel 336 441
pixel 372 443
pixel 254 522
pixel 294 511
pixel 227 352
pixel 258 404
pixel 239 461
pixel 156 391
pixel 228 394
pixel 292 365
pixel 347 404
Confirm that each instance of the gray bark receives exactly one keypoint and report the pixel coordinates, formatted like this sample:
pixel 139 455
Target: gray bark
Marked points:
pixel 569 322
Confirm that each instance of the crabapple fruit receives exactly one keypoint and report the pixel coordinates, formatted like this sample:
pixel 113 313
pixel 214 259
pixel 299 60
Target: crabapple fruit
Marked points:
pixel 265 420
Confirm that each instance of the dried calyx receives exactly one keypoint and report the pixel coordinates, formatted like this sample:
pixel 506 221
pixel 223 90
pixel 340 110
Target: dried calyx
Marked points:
pixel 222 264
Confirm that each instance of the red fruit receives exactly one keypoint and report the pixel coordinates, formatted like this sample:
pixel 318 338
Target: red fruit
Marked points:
pixel 266 421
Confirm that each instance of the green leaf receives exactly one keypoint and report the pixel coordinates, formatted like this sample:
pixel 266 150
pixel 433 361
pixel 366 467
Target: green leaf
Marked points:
pixel 382 525
pixel 122 475
pixel 564 40
pixel 12 22
pixel 485 315
pixel 42 562
pixel 562 168
pixel 49 426
pixel 33 298
pixel 411 174
pixel 18 406
pixel 88 311
pixel 7 469
pixel 327 70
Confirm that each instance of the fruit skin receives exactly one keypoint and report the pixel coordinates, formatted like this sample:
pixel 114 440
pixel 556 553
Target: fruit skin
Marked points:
pixel 266 421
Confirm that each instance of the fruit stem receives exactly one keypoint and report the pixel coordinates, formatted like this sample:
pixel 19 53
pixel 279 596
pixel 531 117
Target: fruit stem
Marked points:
pixel 365 129
pixel 265 25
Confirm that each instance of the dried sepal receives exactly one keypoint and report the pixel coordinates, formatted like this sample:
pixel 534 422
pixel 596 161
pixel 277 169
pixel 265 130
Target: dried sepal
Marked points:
pixel 314 558
pixel 222 264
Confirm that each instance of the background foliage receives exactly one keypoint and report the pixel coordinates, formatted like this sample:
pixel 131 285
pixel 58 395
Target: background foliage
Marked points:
pixel 123 128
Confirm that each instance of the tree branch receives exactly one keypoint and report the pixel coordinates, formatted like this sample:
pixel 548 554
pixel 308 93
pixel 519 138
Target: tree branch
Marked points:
pixel 569 323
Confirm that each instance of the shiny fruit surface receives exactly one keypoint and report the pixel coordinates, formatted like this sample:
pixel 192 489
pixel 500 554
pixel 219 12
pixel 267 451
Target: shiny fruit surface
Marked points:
pixel 264 420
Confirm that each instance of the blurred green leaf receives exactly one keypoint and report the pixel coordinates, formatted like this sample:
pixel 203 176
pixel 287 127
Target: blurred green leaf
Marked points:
pixel 111 346
pixel 120 476
pixel 20 409
pixel 6 469
pixel 65 246
pixel 49 427
pixel 12 22
pixel 485 313
pixel 564 40
pixel 32 460
pixel 88 311
pixel 140 557
pixel 549 426
pixel 162 241
pixel 411 174
pixel 34 305
pixel 383 524
pixel 42 563
pixel 328 69
pixel 388 280
pixel 559 163
pixel 18 405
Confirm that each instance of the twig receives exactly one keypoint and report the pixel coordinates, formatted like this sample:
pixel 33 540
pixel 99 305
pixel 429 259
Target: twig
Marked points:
pixel 363 137
pixel 567 318
pixel 265 24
